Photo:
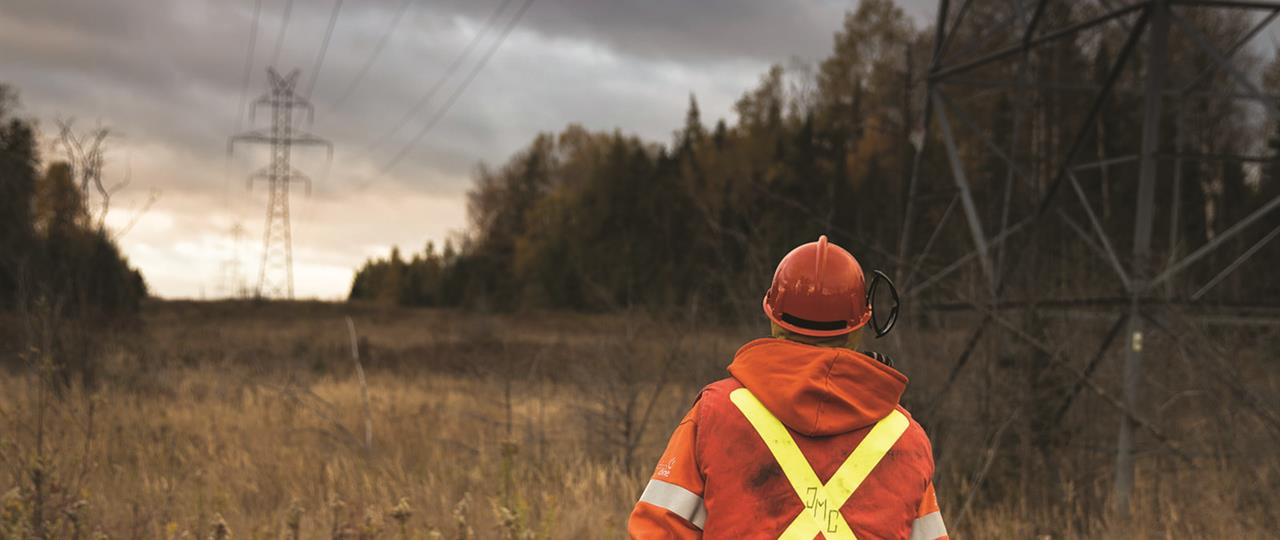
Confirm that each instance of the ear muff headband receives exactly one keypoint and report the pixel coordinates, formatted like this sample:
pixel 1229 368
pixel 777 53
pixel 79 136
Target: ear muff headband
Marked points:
pixel 879 276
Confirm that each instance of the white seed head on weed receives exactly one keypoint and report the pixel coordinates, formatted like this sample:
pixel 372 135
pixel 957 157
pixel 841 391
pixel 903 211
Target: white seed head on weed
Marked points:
pixel 219 529
pixel 401 512
pixel 462 528
pixel 372 522
pixel 294 521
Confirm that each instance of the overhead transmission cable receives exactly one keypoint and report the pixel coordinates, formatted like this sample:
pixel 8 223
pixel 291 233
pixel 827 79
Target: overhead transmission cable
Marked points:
pixel 284 28
pixel 324 48
pixel 457 92
pixel 373 57
pixel 248 64
pixel 240 113
pixel 448 73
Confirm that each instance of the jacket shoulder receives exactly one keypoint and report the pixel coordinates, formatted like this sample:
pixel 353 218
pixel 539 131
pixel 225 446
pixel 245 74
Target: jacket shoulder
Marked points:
pixel 713 403
pixel 916 439
pixel 714 397
pixel 915 429
pixel 719 389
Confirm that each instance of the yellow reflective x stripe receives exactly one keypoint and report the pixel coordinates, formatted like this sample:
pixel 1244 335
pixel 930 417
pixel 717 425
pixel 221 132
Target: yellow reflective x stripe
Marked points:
pixel 822 502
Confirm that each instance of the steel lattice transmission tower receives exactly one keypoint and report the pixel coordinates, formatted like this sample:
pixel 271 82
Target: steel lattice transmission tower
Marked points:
pixel 978 59
pixel 231 281
pixel 275 275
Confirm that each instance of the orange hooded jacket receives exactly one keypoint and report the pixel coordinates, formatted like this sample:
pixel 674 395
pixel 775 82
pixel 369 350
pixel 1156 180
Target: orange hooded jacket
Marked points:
pixel 718 478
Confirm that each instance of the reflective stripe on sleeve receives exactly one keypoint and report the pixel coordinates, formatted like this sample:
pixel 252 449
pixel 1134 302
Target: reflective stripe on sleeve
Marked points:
pixel 677 500
pixel 928 527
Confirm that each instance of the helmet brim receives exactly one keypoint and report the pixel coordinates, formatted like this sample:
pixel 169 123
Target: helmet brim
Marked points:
pixel 809 331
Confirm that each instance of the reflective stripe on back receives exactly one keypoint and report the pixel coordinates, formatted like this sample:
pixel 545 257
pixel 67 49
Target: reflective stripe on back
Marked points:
pixel 822 502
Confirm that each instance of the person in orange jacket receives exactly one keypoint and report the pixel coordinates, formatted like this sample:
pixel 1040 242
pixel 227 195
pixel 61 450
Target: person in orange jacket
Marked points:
pixel 806 439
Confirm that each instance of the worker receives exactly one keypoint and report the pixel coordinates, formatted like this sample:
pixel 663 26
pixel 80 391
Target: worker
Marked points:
pixel 806 439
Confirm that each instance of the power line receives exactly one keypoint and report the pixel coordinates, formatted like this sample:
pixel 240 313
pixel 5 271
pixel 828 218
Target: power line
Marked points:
pixel 382 44
pixel 284 27
pixel 233 258
pixel 461 88
pixel 248 64
pixel 324 48
pixel 453 68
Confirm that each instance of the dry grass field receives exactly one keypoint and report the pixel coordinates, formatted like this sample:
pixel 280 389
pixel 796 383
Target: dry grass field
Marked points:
pixel 242 420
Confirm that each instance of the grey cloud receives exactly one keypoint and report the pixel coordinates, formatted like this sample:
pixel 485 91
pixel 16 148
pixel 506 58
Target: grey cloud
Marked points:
pixel 176 66
pixel 693 31
pixel 687 31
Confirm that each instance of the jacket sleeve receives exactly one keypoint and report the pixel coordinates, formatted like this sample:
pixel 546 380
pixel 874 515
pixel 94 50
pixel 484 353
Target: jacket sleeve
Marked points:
pixel 671 506
pixel 928 524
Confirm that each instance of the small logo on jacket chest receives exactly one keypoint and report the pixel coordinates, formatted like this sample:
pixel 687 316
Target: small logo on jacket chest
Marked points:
pixel 664 468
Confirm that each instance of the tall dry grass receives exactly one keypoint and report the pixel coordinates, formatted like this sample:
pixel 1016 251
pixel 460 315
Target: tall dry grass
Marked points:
pixel 247 421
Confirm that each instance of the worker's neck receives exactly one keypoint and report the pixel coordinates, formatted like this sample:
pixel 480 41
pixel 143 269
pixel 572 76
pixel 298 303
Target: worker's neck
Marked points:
pixel 848 341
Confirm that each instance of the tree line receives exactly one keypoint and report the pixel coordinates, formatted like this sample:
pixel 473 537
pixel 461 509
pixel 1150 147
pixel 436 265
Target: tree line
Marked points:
pixel 61 273
pixel 604 220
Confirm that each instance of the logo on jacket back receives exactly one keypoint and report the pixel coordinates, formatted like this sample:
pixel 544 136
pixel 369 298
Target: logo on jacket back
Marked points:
pixel 816 502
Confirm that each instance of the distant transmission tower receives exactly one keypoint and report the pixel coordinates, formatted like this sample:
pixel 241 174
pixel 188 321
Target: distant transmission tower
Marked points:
pixel 232 282
pixel 275 276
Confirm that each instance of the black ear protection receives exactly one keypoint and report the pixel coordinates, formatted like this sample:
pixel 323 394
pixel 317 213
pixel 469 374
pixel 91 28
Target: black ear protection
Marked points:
pixel 879 276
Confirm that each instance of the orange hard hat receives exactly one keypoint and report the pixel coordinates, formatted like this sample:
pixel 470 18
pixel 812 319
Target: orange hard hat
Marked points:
pixel 818 290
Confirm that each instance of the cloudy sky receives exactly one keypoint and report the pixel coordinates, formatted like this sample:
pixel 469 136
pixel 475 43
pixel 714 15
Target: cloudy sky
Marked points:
pixel 167 75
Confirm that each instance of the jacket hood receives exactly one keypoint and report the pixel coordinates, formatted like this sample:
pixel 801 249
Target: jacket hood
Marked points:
pixel 818 391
